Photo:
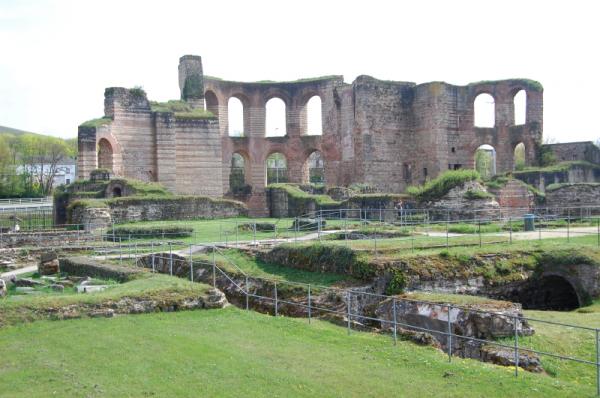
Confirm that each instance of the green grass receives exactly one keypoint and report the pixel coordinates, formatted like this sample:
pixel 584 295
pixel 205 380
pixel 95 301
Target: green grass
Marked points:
pixel 96 122
pixel 260 269
pixel 441 185
pixel 21 308
pixel 296 193
pixel 233 353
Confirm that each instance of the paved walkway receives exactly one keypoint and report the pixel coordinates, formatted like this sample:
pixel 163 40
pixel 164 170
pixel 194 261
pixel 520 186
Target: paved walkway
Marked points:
pixel 24 270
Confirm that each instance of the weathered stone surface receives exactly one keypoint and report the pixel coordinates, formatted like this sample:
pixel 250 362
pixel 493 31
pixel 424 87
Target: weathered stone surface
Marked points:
pixel 384 133
pixel 506 357
pixel 22 282
pixel 462 208
pixel 87 267
pixel 49 267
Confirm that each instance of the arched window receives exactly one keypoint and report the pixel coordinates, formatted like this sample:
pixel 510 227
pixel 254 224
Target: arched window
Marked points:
pixel 105 155
pixel 519 156
pixel 314 121
pixel 237 176
pixel 314 169
pixel 235 117
pixel 520 107
pixel 485 161
pixel 276 168
pixel 484 111
pixel 275 124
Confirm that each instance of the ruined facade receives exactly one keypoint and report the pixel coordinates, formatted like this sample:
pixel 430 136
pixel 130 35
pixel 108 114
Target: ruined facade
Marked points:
pixel 383 133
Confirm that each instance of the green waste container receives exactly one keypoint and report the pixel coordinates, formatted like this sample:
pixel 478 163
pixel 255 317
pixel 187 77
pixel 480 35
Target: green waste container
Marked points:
pixel 529 222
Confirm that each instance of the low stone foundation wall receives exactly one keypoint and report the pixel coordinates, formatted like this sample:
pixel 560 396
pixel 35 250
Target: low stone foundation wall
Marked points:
pixel 573 195
pixel 132 209
pixel 44 238
pixel 84 266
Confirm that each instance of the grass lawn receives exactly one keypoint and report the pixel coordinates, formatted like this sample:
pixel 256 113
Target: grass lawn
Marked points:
pixel 22 308
pixel 232 229
pixel 233 353
pixel 256 268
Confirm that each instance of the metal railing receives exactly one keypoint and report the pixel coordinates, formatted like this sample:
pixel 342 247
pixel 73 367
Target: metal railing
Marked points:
pixel 449 335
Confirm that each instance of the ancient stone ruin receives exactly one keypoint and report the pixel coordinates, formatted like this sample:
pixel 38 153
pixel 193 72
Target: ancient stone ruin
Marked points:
pixel 386 134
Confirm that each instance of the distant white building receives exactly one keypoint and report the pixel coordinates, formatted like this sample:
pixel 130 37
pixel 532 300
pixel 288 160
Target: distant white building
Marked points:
pixel 66 171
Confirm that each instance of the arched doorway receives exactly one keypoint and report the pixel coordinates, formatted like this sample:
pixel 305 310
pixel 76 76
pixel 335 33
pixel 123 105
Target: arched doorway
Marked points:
pixel 276 168
pixel 550 292
pixel 314 119
pixel 237 175
pixel 519 157
pixel 314 169
pixel 105 155
pixel 520 107
pixel 485 161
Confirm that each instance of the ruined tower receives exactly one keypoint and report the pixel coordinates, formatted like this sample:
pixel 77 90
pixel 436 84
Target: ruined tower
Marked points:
pixel 191 80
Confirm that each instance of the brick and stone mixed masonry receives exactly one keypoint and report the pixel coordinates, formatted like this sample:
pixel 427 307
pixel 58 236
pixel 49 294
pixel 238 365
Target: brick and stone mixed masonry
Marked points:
pixel 387 134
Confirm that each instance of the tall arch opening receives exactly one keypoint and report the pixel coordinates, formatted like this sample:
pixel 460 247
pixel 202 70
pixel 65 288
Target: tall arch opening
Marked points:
pixel 105 155
pixel 485 161
pixel 275 120
pixel 235 117
pixel 484 109
pixel 314 169
pixel 520 107
pixel 519 157
pixel 237 175
pixel 276 168
pixel 314 120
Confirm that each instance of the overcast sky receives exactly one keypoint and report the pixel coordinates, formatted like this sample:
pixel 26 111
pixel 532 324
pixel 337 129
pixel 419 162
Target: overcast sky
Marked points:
pixel 56 57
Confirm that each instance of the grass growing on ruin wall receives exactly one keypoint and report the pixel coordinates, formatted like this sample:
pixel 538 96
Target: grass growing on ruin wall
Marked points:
pixel 441 185
pixel 151 286
pixel 145 232
pixel 556 168
pixel 296 193
pixel 555 186
pixel 96 122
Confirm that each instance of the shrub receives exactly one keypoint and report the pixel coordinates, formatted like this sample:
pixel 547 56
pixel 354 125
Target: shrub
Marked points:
pixel 440 186
pixel 397 283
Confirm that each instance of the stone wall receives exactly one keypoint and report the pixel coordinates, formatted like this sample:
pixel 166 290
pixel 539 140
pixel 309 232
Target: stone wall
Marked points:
pixel 44 239
pixel 571 174
pixel 84 266
pixel 156 209
pixel 388 134
pixel 569 151
pixel 514 198
pixel 573 195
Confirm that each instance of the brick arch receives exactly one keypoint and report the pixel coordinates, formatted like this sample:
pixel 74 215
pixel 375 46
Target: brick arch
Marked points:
pixel 117 154
pixel 476 95
pixel 245 112
pixel 306 164
pixel 302 106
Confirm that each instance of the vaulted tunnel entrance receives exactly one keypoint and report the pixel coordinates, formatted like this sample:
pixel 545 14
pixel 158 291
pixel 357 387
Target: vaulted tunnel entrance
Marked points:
pixel 548 293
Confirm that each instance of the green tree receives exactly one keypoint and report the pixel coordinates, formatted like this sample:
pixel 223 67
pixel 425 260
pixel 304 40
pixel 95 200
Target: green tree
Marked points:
pixel 484 163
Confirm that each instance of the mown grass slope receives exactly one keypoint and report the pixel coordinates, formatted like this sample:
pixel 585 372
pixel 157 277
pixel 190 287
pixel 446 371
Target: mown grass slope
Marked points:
pixel 233 353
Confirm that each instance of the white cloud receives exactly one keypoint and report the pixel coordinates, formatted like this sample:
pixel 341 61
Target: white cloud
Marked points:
pixel 58 56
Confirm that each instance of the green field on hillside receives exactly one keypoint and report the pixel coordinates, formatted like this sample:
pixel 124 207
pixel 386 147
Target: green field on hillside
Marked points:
pixel 233 353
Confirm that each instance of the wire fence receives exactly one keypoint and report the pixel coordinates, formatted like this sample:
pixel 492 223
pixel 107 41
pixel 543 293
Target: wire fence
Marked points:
pixel 443 323
pixel 371 230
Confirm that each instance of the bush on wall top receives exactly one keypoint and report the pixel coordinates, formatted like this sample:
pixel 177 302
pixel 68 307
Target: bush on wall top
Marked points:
pixel 441 185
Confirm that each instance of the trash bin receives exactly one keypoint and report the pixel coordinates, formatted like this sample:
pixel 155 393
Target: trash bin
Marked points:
pixel 529 222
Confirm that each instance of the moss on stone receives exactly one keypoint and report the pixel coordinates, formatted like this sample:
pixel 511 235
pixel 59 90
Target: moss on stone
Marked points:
pixel 96 122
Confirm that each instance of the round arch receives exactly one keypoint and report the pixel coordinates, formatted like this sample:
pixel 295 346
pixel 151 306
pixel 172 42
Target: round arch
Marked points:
pixel 484 110
pixel 485 161
pixel 276 168
pixel 275 117
pixel 519 156
pixel 211 102
pixel 313 169
pixel 105 155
